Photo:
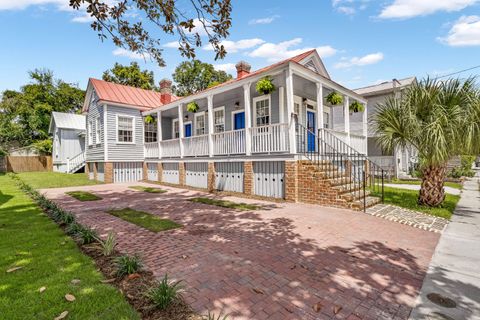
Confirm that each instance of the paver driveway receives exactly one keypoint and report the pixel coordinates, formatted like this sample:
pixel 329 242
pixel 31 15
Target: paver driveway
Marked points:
pixel 275 263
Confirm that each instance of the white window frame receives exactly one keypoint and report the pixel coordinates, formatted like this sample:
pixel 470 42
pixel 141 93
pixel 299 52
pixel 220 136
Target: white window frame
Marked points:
pixel 98 133
pixel 260 98
pixel 173 128
pixel 214 124
pixel 90 132
pixel 233 119
pixel 133 128
pixel 199 114
pixel 145 132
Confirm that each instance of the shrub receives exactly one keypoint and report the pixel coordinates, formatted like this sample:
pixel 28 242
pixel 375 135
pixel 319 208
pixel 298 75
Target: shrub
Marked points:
pixel 165 292
pixel 85 235
pixel 73 228
pixel 108 246
pixel 465 169
pixel 127 264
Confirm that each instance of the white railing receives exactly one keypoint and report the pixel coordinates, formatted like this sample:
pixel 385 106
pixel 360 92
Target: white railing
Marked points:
pixel 151 150
pixel 170 148
pixel 195 146
pixel 76 162
pixel 229 142
pixel 271 138
pixel 357 142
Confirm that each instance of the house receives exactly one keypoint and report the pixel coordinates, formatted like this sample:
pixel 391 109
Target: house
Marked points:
pixel 68 149
pixel 277 144
pixel 400 161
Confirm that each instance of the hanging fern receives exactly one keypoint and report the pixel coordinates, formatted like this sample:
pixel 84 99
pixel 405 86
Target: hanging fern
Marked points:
pixel 265 85
pixel 356 106
pixel 149 119
pixel 192 107
pixel 334 98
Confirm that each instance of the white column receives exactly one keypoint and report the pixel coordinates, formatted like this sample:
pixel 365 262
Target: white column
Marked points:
pixel 281 104
pixel 320 119
pixel 365 126
pixel 210 125
pixel 181 128
pixel 248 119
pixel 159 133
pixel 346 116
pixel 290 111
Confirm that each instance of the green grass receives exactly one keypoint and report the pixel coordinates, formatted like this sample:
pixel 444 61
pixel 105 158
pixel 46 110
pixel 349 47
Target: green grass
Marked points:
pixel 408 199
pixel 50 259
pixel 454 185
pixel 226 204
pixel 148 189
pixel 144 219
pixel 83 195
pixel 43 180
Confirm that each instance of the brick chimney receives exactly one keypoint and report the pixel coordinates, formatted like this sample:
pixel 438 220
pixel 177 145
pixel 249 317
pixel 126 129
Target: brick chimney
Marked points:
pixel 243 68
pixel 165 91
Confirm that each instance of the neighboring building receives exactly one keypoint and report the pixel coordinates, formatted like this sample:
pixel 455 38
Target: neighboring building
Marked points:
pixel 401 160
pixel 268 145
pixel 68 149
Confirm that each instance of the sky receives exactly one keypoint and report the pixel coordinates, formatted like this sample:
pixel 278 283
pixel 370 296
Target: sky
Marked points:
pixel 361 42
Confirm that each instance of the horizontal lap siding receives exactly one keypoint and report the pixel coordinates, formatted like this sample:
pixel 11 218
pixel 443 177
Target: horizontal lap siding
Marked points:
pixel 95 152
pixel 119 151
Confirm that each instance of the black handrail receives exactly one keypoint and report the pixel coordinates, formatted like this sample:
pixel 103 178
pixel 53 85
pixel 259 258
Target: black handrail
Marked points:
pixel 341 163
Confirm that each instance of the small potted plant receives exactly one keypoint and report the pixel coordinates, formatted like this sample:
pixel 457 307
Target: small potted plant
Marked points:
pixel 334 98
pixel 149 119
pixel 356 106
pixel 265 85
pixel 192 107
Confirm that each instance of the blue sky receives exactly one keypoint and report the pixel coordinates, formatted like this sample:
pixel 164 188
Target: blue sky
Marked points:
pixel 361 41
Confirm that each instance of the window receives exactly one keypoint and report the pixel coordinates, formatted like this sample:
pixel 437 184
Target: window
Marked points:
pixel 200 123
pixel 57 143
pixel 219 119
pixel 151 131
pixel 175 129
pixel 124 129
pixel 97 130
pixel 262 111
pixel 90 132
pixel 326 120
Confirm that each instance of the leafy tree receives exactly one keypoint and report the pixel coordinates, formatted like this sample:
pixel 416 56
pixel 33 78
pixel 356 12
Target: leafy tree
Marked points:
pixel 441 120
pixel 130 75
pixel 25 114
pixel 194 76
pixel 135 24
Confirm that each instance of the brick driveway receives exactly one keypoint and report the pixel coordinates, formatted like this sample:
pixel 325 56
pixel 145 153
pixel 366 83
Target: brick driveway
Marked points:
pixel 275 263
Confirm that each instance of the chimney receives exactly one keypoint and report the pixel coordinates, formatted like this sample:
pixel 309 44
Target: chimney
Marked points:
pixel 243 68
pixel 165 91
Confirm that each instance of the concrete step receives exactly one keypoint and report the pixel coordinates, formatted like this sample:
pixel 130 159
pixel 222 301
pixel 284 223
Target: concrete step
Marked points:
pixel 347 187
pixel 370 202
pixel 354 195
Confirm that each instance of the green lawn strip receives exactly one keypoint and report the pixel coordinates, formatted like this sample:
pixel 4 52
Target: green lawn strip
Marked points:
pixel 408 199
pixel 148 189
pixel 144 219
pixel 454 185
pixel 226 204
pixel 43 180
pixel 83 195
pixel 48 259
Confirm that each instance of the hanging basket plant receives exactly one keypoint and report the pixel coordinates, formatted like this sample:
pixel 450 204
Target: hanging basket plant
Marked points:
pixel 356 106
pixel 334 98
pixel 149 119
pixel 265 85
pixel 192 107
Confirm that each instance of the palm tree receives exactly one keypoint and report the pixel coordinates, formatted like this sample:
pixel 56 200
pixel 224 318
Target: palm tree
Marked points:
pixel 441 119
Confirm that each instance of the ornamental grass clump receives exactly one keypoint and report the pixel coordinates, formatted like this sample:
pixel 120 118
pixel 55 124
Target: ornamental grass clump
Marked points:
pixel 165 293
pixel 127 264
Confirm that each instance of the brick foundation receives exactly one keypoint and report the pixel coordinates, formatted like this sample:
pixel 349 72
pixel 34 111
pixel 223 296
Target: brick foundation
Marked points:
pixel 86 169
pixel 181 173
pixel 291 181
pixel 248 177
pixel 108 172
pixel 160 171
pixel 211 177
pixel 95 176
pixel 145 171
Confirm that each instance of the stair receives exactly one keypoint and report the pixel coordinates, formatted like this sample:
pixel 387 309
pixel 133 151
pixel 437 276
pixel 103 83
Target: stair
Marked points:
pixel 76 163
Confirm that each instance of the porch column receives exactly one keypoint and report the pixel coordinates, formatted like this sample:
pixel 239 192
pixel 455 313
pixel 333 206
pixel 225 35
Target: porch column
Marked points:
pixel 248 119
pixel 159 133
pixel 210 125
pixel 281 104
pixel 365 126
pixel 181 129
pixel 290 112
pixel 346 113
pixel 320 109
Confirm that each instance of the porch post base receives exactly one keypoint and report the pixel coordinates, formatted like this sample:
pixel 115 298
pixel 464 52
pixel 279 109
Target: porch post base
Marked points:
pixel 291 181
pixel 108 172
pixel 248 177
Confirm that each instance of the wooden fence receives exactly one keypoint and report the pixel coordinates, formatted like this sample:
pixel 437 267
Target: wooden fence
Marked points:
pixel 26 163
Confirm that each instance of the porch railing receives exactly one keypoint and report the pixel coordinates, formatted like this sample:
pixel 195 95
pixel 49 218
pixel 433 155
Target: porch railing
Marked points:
pixel 229 142
pixel 357 142
pixel 195 146
pixel 151 150
pixel 170 148
pixel 271 138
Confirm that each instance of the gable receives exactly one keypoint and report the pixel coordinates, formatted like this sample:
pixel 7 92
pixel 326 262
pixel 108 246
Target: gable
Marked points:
pixel 315 63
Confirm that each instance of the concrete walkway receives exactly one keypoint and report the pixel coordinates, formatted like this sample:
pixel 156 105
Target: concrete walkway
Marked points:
pixel 449 190
pixel 454 272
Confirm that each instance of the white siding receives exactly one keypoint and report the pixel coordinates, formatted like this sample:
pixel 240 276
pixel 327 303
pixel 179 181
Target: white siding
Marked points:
pixel 95 152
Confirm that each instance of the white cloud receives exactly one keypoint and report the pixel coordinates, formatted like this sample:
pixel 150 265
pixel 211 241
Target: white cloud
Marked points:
pixel 359 61
pixel 227 67
pixel 278 51
pixel 172 44
pixel 83 18
pixel 235 46
pixel 403 9
pixel 266 20
pixel 22 4
pixel 121 52
pixel 465 32
pixel 349 7
pixel 199 27
pixel 346 10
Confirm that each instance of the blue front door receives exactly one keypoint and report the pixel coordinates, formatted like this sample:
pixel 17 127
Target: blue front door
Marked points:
pixel 188 130
pixel 239 121
pixel 311 130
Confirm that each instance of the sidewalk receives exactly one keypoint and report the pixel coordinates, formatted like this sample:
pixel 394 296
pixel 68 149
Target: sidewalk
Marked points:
pixel 454 271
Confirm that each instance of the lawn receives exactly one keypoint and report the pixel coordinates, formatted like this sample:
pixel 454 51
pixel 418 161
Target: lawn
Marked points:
pixel 454 185
pixel 83 195
pixel 50 259
pixel 43 180
pixel 148 189
pixel 226 204
pixel 144 219
pixel 408 199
